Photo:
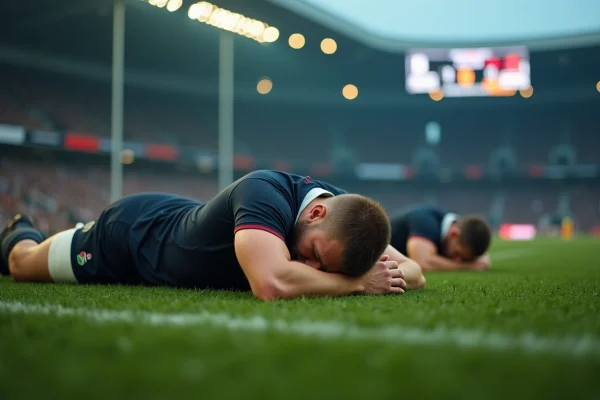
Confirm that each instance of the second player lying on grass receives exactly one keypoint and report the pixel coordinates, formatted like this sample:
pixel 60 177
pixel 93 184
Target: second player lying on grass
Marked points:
pixel 441 240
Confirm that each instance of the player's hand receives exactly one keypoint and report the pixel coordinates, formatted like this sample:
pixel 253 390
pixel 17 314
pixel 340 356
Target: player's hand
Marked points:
pixel 384 277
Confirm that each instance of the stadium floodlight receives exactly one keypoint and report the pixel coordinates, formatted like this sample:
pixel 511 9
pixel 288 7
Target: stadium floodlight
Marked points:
pixel 159 3
pixel 271 34
pixel 174 5
pixel 222 18
pixel 195 11
pixel 233 22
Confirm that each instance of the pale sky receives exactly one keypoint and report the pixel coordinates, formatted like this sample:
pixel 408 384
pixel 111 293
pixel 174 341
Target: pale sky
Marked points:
pixel 468 19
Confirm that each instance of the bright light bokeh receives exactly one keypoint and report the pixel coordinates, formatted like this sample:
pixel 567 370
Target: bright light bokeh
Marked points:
pixel 437 95
pixel 127 157
pixel 174 5
pixel 297 41
pixel 350 91
pixel 264 86
pixel 527 93
pixel 158 3
pixel 221 18
pixel 271 34
pixel 328 46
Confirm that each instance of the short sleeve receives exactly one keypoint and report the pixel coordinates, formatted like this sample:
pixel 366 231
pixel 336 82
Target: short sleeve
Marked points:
pixel 259 204
pixel 424 226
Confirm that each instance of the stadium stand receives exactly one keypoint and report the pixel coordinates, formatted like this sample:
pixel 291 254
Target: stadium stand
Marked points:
pixel 58 192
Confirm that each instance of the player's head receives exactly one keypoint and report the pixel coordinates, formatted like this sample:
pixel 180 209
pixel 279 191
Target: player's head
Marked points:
pixel 468 238
pixel 346 234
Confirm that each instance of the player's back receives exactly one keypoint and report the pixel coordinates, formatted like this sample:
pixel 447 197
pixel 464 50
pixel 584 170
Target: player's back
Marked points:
pixel 194 246
pixel 156 215
pixel 422 220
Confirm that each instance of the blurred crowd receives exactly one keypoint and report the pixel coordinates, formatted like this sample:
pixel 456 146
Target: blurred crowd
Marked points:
pixel 57 195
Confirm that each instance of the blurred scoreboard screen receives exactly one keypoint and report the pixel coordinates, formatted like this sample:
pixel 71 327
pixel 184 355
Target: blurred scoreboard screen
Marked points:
pixel 473 72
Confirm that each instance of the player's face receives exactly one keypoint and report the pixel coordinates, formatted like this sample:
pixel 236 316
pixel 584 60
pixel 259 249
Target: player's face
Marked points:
pixel 455 250
pixel 311 246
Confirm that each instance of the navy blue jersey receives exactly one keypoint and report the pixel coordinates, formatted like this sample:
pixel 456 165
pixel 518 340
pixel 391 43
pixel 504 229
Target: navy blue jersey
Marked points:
pixel 181 242
pixel 423 221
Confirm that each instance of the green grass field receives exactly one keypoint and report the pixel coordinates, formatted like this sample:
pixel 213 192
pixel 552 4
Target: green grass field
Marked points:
pixel 528 328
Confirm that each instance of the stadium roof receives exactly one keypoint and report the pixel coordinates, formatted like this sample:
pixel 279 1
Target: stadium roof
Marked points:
pixel 394 25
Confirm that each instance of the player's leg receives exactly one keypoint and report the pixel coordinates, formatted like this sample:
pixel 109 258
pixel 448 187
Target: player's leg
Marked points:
pixel 28 261
pixel 67 256
pixel 24 251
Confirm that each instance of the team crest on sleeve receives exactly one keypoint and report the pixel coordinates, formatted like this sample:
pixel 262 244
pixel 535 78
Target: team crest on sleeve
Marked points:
pixel 88 226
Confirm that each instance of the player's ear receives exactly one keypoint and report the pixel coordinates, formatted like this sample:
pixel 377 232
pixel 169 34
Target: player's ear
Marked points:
pixel 317 212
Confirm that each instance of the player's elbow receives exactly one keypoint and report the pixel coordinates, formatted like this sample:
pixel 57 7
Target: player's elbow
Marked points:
pixel 274 288
pixel 267 289
pixel 419 282
pixel 414 279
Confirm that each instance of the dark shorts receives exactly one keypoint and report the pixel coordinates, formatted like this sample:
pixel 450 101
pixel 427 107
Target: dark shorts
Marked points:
pixel 100 252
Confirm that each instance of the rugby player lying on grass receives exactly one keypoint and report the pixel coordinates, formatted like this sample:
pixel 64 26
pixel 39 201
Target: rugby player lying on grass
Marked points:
pixel 280 235
pixel 441 240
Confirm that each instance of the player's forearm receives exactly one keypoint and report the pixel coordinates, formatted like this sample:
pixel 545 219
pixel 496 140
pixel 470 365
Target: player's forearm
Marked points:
pixel 296 280
pixel 438 263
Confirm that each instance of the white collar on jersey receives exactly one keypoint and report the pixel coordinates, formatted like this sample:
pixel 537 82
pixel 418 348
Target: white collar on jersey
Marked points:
pixel 310 196
pixel 447 222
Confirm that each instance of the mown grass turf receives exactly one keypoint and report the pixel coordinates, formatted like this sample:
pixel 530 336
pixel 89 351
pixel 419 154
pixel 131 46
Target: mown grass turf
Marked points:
pixel 550 288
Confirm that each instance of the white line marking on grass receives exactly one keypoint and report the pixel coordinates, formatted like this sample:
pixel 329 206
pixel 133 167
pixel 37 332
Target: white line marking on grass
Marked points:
pixel 586 345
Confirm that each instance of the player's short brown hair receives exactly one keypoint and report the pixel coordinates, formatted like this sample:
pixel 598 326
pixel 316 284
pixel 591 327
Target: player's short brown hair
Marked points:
pixel 362 226
pixel 475 234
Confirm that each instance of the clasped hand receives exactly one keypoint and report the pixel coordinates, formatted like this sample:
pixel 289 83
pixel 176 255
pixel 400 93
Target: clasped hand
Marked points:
pixel 384 277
